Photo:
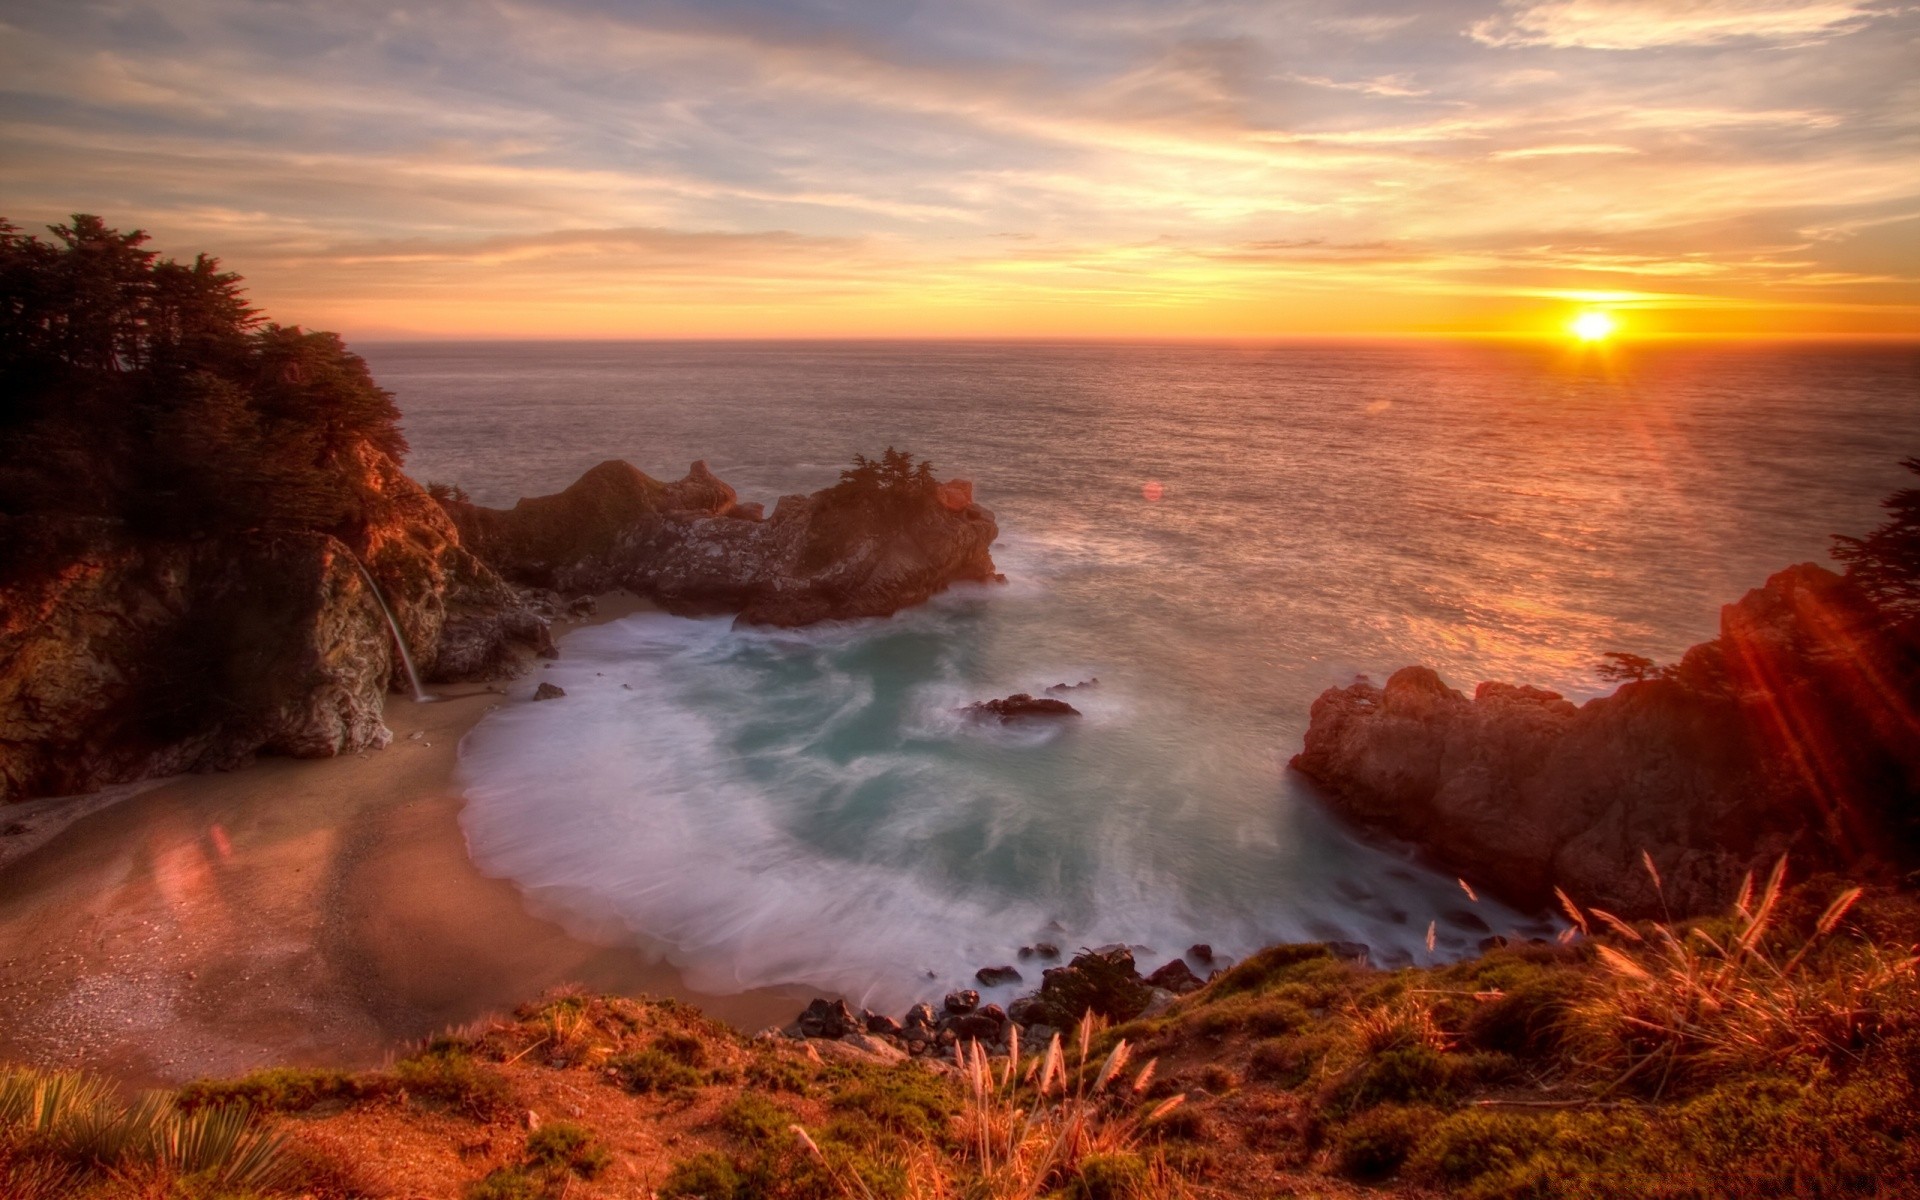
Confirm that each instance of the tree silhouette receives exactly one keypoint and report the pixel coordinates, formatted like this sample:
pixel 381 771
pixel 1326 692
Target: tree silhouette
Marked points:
pixel 155 383
pixel 1886 562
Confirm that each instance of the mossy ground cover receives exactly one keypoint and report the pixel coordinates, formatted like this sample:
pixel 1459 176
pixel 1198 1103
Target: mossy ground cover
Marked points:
pixel 1773 1052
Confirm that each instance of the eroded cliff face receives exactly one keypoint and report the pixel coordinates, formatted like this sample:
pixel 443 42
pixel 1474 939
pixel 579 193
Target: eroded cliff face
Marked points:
pixel 691 547
pixel 124 657
pixel 1793 732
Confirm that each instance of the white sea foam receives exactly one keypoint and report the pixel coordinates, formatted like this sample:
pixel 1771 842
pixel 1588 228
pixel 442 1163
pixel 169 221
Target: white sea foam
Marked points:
pixel 774 807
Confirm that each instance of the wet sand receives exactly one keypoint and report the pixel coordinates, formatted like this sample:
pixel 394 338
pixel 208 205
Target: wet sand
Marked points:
pixel 313 912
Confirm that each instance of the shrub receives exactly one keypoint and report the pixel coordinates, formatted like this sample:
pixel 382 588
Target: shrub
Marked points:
pixel 708 1175
pixel 1116 1176
pixel 906 1101
pixel 686 1048
pixel 1376 1143
pixel 566 1146
pixel 276 1089
pixel 756 1120
pixel 648 1071
pixel 1287 1062
pixel 449 1075
pixel 1472 1143
pixel 1404 1075
pixel 1269 966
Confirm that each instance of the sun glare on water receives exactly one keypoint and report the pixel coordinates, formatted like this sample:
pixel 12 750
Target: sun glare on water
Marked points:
pixel 1592 326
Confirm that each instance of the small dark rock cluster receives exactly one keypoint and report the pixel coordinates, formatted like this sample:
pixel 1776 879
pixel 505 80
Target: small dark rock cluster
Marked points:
pixel 549 691
pixel 1105 981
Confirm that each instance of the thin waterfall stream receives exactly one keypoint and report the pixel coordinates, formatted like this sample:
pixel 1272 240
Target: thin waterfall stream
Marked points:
pixel 420 694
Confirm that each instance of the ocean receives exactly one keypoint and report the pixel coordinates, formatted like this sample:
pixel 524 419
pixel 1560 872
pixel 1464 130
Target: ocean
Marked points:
pixel 1215 532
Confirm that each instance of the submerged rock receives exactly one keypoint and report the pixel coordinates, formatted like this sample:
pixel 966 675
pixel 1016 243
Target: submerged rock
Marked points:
pixel 549 691
pixel 1020 705
pixel 1792 731
pixel 995 976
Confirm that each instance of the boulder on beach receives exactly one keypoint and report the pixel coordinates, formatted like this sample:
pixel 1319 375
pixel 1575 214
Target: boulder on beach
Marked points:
pixel 549 691
pixel 995 976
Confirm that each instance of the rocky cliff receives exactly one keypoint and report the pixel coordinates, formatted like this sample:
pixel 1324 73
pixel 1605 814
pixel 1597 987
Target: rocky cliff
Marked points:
pixel 126 655
pixel 691 547
pixel 1794 731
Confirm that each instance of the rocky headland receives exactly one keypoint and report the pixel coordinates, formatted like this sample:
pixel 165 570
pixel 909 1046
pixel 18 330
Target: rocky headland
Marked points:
pixel 866 547
pixel 125 655
pixel 1794 732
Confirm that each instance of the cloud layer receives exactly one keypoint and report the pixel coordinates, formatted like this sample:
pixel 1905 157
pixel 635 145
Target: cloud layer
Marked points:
pixel 985 166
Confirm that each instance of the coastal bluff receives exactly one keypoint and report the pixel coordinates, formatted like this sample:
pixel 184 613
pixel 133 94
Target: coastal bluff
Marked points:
pixel 125 655
pixel 866 547
pixel 1793 732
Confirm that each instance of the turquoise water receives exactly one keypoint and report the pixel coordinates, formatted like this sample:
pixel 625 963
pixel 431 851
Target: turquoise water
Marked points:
pixel 808 806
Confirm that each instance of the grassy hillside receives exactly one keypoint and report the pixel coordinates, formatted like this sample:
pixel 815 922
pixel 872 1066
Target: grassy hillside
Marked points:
pixel 1771 1052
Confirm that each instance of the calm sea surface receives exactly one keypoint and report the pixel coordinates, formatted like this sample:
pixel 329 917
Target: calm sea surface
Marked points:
pixel 807 807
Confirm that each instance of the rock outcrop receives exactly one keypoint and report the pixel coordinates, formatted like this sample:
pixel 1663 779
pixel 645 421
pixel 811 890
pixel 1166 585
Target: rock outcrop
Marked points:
pixel 124 656
pixel 1020 706
pixel 1793 732
pixel 692 548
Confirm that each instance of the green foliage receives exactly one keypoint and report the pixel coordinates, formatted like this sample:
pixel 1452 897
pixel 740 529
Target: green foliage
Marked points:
pixel 893 476
pixel 276 1089
pixel 708 1175
pixel 1116 1176
pixel 904 1100
pixel 508 1183
pixel 656 1071
pixel 79 1127
pixel 1374 1144
pixel 1472 1143
pixel 156 383
pixel 1401 1075
pixel 1273 965
pixel 756 1120
pixel 566 1146
pixel 686 1048
pixel 449 1075
pixel 775 1073
pixel 1287 1062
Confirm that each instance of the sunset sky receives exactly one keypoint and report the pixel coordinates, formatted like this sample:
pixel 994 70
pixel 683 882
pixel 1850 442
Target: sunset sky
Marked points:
pixel 994 167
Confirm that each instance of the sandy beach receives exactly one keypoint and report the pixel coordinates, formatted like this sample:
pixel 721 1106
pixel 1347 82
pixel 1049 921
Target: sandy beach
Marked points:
pixel 316 912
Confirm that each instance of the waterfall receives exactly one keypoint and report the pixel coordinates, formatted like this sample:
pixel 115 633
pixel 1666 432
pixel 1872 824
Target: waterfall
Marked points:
pixel 406 657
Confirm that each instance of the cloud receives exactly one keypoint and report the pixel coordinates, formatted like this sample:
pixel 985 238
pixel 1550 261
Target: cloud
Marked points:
pixel 1644 24
pixel 1565 149
pixel 650 160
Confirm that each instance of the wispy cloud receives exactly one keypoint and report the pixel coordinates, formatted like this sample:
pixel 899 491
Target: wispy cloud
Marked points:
pixel 984 165
pixel 1641 24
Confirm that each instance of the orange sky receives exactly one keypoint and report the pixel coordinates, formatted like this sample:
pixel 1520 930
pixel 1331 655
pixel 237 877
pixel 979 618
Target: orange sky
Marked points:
pixel 983 168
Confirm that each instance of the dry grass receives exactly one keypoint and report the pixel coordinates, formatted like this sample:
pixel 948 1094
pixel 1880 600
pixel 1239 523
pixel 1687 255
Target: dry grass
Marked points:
pixel 1057 1123
pixel 1703 1002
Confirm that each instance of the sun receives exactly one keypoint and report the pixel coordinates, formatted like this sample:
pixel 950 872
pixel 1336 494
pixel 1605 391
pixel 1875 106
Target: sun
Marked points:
pixel 1592 326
